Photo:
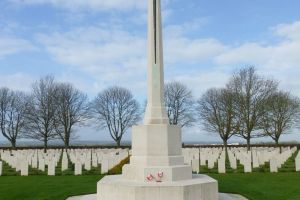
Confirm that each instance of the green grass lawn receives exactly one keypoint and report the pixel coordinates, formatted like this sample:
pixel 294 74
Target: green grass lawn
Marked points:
pixel 261 186
pixel 255 186
pixel 46 187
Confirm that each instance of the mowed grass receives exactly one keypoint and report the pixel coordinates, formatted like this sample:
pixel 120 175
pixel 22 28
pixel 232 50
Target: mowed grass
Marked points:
pixel 46 187
pixel 261 186
pixel 254 186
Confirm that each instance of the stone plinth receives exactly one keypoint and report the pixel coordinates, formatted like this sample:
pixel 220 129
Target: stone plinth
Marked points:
pixel 156 148
pixel 222 196
pixel 200 187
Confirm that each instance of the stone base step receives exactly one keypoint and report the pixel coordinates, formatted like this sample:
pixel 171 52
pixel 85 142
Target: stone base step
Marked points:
pixel 222 196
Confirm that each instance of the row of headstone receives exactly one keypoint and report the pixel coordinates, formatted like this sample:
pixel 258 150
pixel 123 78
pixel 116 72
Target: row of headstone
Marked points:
pixel 258 156
pixel 191 157
pixel 88 158
pixel 23 160
pixel 197 157
pixel 279 159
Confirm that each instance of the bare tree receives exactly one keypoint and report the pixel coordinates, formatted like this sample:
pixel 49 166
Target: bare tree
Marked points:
pixel 13 107
pixel 251 93
pixel 216 112
pixel 179 103
pixel 41 115
pixel 71 109
pixel 117 110
pixel 282 112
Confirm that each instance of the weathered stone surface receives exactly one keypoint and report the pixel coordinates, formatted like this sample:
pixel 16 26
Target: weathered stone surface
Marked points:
pixel 199 187
pixel 222 196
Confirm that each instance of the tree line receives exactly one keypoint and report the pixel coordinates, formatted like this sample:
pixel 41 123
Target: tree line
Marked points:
pixel 248 106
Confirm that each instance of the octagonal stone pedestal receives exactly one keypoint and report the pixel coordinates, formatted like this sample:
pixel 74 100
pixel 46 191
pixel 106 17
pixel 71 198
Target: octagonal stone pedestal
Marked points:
pixel 200 187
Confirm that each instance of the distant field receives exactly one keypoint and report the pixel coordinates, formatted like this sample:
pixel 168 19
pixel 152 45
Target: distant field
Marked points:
pixel 255 186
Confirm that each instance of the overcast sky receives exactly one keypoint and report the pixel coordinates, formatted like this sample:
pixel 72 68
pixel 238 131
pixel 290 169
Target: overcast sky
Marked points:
pixel 95 44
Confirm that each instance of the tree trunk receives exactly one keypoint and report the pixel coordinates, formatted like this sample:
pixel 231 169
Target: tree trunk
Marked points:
pixel 118 142
pixel 248 144
pixel 277 142
pixel 45 144
pixel 13 143
pixel 225 146
pixel 67 143
pixel 225 143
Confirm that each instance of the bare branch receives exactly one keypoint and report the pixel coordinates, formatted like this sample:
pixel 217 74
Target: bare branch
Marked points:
pixel 71 109
pixel 117 110
pixel 251 93
pixel 13 106
pixel 40 115
pixel 216 112
pixel 282 112
pixel 179 103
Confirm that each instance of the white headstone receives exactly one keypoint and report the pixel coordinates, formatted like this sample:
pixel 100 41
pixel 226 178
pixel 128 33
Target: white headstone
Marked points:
pixel 94 160
pixel 195 165
pixel 104 166
pixel 24 168
pixel 111 163
pixel 42 164
pixel 87 164
pixel 247 167
pixel 233 163
pixel 221 166
pixel 51 168
pixel 255 160
pixel 273 165
pixel 64 164
pixel 78 168
pixel 1 168
pixel 211 163
pixel 34 161
pixel 298 162
pixel 203 159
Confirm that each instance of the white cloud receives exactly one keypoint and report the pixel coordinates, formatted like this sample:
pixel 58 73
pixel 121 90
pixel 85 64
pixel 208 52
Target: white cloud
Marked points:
pixel 95 5
pixel 290 31
pixel 283 55
pixel 200 81
pixel 96 49
pixel 17 81
pixel 184 50
pixel 180 48
pixel 87 4
pixel 113 55
pixel 280 60
pixel 12 45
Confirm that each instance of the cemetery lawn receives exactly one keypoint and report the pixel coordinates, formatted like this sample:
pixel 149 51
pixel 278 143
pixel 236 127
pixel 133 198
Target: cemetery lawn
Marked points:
pixel 46 187
pixel 261 186
pixel 254 186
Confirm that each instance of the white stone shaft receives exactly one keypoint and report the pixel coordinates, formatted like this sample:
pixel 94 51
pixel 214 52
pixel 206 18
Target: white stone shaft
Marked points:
pixel 155 110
